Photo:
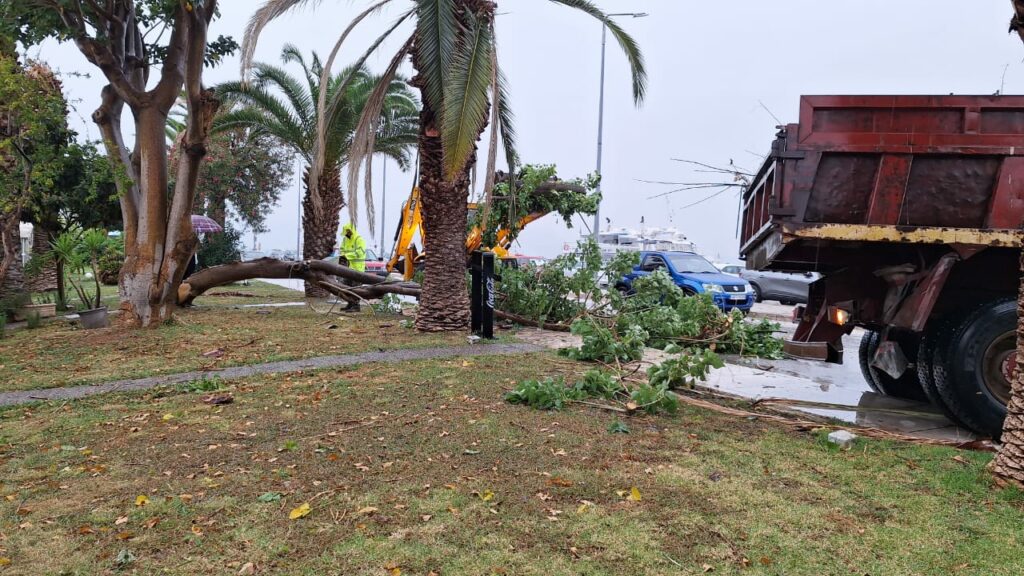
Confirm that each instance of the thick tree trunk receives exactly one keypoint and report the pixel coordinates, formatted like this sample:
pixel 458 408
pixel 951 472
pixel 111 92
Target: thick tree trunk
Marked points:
pixel 46 278
pixel 320 231
pixel 156 255
pixel 11 278
pixel 444 305
pixel 1009 463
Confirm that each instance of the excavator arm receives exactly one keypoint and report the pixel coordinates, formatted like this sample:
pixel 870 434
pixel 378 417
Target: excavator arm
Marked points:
pixel 406 256
pixel 410 223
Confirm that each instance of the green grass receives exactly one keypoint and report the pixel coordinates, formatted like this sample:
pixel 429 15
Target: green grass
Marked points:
pixel 205 337
pixel 463 483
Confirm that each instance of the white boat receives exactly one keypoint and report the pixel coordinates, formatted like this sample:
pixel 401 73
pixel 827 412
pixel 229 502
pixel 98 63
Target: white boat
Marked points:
pixel 615 240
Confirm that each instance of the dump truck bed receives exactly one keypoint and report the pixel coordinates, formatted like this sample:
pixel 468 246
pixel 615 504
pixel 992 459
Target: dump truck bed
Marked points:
pixel 912 170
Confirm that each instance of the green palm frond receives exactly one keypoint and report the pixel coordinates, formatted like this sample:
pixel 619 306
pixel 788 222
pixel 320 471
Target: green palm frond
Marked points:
pixel 508 130
pixel 290 54
pixel 626 42
pixel 465 97
pixel 262 109
pixel 436 39
pixel 301 101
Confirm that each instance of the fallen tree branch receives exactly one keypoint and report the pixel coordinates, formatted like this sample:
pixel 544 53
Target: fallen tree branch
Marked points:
pixel 314 271
pixel 795 422
pixel 523 321
pixel 319 272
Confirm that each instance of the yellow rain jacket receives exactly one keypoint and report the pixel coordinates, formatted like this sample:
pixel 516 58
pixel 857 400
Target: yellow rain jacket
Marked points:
pixel 353 248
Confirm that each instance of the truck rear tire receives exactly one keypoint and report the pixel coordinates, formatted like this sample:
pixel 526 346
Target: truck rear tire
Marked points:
pixel 925 367
pixel 906 386
pixel 973 363
pixel 864 353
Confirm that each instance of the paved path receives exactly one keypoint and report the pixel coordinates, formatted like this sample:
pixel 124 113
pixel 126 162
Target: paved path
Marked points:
pixel 386 356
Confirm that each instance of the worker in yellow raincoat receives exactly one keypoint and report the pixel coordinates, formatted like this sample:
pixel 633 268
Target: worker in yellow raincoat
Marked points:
pixel 353 250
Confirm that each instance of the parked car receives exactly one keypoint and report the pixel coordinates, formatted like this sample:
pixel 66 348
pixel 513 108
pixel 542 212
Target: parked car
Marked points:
pixel 786 287
pixel 374 264
pixel 730 269
pixel 694 275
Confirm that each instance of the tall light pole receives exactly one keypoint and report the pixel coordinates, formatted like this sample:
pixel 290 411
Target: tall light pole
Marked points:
pixel 600 112
pixel 298 228
pixel 383 206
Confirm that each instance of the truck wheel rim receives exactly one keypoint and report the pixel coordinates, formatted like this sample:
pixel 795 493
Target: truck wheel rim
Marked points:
pixel 999 365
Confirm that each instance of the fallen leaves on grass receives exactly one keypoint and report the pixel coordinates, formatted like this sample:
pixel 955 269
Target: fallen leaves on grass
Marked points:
pixel 367 510
pixel 141 500
pixel 632 495
pixel 300 512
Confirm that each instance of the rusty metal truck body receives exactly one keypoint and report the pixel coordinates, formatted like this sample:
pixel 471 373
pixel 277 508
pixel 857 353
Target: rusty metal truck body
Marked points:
pixel 911 207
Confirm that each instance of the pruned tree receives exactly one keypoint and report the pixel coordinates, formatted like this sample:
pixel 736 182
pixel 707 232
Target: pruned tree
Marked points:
pixel 454 51
pixel 111 35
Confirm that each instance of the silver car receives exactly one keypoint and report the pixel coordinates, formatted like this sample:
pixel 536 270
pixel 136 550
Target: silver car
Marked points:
pixel 786 287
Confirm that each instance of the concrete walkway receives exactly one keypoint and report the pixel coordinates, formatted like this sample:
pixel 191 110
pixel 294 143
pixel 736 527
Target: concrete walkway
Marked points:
pixel 387 356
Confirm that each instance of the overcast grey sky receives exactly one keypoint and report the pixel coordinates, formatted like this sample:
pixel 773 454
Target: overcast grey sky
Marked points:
pixel 710 64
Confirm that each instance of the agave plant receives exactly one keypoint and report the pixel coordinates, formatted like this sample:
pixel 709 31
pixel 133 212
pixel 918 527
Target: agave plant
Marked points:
pixel 455 52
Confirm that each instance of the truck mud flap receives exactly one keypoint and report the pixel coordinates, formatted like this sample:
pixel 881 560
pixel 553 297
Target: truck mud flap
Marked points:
pixel 821 351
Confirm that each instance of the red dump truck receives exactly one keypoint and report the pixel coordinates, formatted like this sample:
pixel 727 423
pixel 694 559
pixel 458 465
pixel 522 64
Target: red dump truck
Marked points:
pixel 911 207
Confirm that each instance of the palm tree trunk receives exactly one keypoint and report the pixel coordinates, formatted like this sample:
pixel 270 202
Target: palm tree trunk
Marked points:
pixel 1009 463
pixel 320 232
pixel 46 277
pixel 444 304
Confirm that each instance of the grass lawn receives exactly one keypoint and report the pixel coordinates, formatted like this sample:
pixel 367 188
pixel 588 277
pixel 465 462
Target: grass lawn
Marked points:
pixel 421 468
pixel 60 354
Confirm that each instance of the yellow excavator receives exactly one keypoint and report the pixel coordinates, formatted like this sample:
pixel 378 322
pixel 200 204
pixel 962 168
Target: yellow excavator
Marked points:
pixel 407 257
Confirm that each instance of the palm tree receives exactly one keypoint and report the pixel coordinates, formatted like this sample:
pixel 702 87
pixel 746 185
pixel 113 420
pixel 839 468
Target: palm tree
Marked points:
pixel 289 109
pixel 454 52
pixel 1008 466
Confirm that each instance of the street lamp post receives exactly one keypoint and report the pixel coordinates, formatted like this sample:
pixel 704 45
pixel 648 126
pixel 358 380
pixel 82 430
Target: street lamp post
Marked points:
pixel 383 206
pixel 600 112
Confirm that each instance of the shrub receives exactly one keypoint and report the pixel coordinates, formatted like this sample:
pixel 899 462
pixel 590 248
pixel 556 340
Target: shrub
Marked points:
pixel 221 248
pixel 111 261
pixel 33 320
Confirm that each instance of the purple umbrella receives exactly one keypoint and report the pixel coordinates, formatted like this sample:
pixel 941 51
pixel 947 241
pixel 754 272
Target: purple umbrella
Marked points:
pixel 203 224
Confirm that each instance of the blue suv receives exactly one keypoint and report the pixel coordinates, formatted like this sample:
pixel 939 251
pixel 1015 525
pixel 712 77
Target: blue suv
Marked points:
pixel 694 275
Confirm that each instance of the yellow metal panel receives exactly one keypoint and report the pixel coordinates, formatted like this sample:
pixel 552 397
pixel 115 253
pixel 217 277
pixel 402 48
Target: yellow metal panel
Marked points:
pixel 923 235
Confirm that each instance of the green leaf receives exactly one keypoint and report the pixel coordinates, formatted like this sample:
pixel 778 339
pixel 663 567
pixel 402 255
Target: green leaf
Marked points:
pixel 270 497
pixel 618 427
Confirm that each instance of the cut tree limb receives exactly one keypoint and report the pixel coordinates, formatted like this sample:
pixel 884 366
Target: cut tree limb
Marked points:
pixel 315 271
pixel 319 272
